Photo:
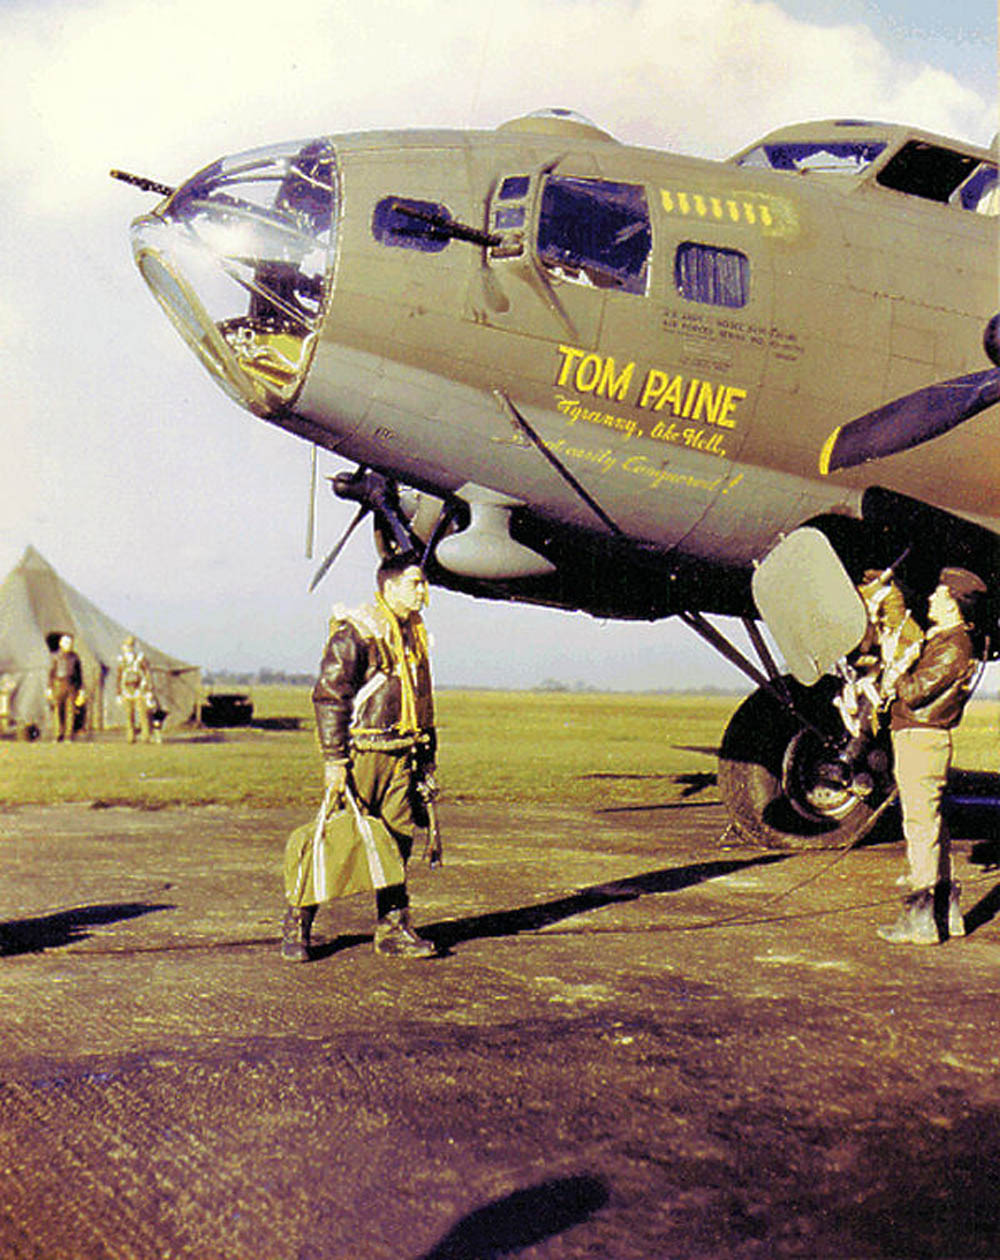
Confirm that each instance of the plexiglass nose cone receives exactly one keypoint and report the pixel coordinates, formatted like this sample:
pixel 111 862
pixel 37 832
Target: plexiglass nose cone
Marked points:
pixel 239 258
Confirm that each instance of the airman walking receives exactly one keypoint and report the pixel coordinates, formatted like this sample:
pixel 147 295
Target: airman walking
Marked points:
pixel 375 722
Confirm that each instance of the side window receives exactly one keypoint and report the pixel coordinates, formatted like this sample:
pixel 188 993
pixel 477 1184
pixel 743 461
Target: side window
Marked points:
pixel 409 224
pixel 509 215
pixel 596 233
pixel 720 277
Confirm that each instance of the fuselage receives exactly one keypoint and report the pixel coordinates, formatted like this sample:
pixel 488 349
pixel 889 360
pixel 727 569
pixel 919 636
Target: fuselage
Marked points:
pixel 682 335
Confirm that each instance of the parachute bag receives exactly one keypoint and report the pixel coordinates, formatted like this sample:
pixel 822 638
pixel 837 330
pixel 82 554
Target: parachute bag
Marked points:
pixel 342 852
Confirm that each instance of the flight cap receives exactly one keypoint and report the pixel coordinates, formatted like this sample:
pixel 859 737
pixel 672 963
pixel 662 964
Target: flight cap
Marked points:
pixel 964 586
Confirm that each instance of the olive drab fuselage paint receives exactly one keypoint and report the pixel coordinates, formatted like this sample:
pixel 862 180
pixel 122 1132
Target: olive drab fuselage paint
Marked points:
pixel 678 336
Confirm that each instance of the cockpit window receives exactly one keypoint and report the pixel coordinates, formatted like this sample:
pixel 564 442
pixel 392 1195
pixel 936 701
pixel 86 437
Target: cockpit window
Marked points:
pixel 980 192
pixel 920 169
pixel 820 157
pixel 926 170
pixel 514 188
pixel 595 233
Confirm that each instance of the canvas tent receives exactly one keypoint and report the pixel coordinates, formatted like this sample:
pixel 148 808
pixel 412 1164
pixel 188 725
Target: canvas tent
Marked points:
pixel 36 607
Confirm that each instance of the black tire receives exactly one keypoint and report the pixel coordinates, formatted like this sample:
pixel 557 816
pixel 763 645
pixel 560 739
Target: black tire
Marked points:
pixel 767 804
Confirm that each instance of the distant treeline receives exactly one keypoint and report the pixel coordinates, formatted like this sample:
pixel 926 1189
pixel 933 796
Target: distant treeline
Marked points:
pixel 279 678
pixel 262 678
pixel 578 688
pixel 227 678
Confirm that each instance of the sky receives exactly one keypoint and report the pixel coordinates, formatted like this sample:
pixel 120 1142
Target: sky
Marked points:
pixel 154 494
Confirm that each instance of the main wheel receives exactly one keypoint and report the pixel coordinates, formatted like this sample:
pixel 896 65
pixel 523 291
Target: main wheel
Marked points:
pixel 780 780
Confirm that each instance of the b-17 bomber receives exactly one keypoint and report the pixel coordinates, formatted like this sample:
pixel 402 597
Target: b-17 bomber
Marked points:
pixel 583 374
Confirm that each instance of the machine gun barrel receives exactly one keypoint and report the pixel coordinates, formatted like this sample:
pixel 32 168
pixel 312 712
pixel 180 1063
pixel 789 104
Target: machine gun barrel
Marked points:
pixel 140 181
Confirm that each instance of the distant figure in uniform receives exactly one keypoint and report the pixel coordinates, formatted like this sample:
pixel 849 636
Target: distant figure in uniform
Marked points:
pixel 8 685
pixel 930 699
pixel 135 689
pixel 375 723
pixel 65 689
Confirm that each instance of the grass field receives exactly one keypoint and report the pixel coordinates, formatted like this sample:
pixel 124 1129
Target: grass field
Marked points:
pixel 577 749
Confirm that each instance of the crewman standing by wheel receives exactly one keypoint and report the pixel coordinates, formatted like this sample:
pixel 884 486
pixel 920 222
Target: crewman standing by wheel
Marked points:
pixel 375 723
pixel 930 700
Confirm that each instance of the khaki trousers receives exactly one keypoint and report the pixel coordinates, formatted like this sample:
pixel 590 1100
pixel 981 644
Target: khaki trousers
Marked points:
pixel 923 758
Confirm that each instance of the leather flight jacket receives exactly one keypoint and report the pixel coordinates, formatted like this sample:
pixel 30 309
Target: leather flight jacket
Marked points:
pixel 933 693
pixel 358 696
pixel 66 670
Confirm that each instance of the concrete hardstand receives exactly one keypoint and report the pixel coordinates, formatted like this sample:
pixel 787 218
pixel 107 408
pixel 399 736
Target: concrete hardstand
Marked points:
pixel 640 1040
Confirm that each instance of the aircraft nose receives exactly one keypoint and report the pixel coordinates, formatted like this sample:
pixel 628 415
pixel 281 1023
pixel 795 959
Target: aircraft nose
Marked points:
pixel 239 258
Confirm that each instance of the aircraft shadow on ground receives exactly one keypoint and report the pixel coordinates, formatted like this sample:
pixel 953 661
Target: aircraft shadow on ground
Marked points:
pixel 690 785
pixel 522 1219
pixel 698 748
pixel 533 918
pixel 984 911
pixel 653 809
pixel 972 811
pixel 67 927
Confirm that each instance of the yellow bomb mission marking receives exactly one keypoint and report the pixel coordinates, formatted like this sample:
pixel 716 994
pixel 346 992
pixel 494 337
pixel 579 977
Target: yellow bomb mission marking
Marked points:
pixel 774 216
pixel 687 398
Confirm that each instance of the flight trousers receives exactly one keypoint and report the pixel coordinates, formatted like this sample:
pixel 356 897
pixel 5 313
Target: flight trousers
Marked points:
pixel 384 785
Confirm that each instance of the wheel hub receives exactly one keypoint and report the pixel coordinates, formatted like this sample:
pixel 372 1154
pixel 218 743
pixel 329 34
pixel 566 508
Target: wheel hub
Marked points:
pixel 816 784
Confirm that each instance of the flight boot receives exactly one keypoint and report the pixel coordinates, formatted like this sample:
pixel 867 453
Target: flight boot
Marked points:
pixel 917 924
pixel 295 929
pixel 395 937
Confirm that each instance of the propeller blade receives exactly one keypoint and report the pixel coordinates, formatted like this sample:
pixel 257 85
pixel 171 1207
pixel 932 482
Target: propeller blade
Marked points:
pixel 311 513
pixel 909 421
pixel 324 568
